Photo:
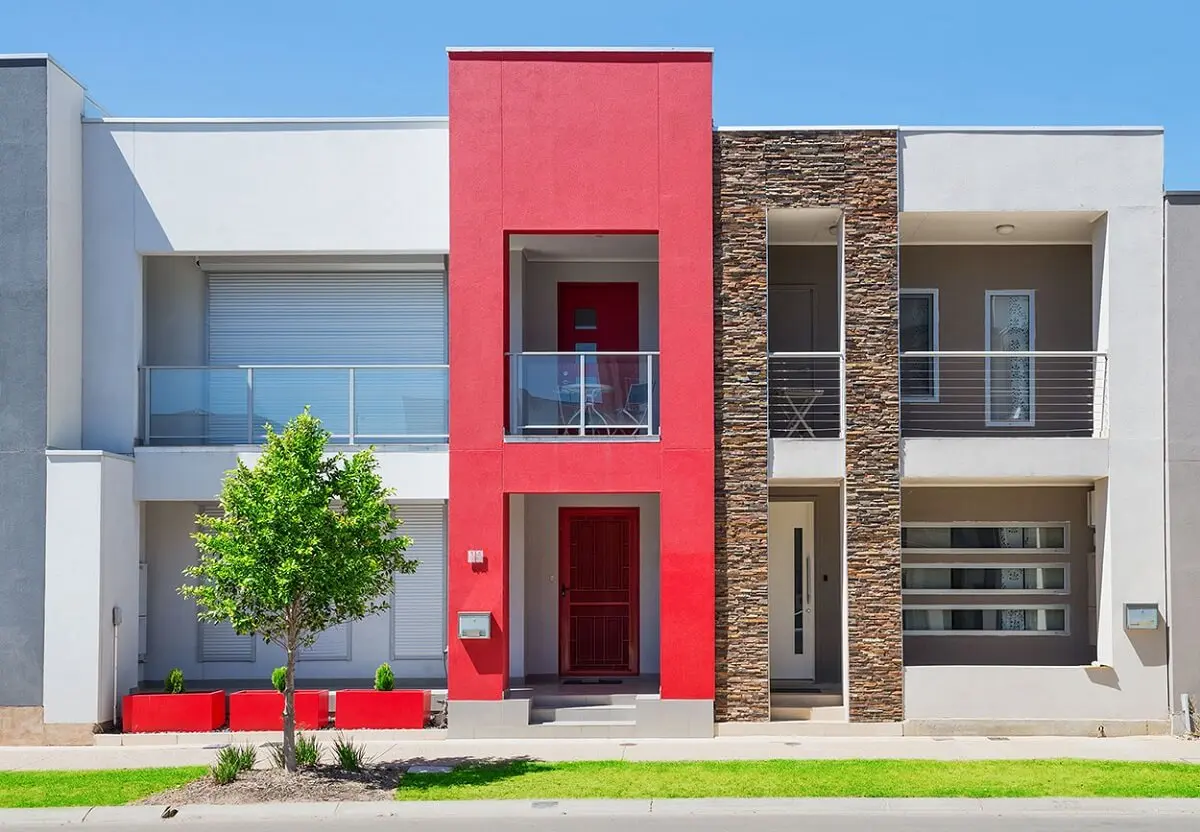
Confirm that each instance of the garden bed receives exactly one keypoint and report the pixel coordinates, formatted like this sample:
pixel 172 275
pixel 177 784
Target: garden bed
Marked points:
pixel 321 784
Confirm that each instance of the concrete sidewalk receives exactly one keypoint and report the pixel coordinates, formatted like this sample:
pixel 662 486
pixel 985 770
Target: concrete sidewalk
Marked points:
pixel 1066 809
pixel 1161 749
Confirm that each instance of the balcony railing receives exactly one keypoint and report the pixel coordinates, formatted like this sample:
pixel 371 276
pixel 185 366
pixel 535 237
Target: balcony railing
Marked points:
pixel 590 394
pixel 805 395
pixel 1003 393
pixel 379 404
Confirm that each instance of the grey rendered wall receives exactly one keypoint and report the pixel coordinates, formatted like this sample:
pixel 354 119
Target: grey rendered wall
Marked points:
pixel 1183 442
pixel 1006 505
pixel 815 266
pixel 175 304
pixel 827 556
pixel 23 263
pixel 1061 278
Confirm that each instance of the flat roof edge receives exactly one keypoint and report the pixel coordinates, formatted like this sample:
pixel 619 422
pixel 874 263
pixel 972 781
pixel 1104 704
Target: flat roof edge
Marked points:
pixel 797 128
pixel 413 120
pixel 707 50
pixel 13 57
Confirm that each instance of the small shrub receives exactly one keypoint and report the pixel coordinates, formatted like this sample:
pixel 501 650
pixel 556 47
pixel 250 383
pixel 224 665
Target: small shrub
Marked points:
pixel 308 751
pixel 242 756
pixel 349 756
pixel 385 679
pixel 174 681
pixel 279 679
pixel 225 771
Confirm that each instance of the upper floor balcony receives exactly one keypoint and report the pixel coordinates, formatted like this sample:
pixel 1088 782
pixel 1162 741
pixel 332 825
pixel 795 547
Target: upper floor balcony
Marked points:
pixel 583 362
pixel 998 320
pixel 234 344
pixel 365 405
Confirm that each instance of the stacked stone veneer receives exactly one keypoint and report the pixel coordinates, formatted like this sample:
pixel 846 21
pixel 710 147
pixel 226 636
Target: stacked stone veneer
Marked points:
pixel 854 171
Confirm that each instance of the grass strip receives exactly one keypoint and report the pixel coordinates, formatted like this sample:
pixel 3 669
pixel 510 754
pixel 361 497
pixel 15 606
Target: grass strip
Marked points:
pixel 43 789
pixel 530 780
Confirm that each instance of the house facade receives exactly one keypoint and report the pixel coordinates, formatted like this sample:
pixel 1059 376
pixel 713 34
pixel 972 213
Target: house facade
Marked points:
pixel 696 430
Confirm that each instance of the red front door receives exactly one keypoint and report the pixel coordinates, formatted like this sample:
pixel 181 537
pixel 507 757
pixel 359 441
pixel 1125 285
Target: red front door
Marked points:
pixel 598 591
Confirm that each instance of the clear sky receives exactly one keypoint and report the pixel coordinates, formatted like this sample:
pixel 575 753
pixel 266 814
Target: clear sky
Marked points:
pixel 794 62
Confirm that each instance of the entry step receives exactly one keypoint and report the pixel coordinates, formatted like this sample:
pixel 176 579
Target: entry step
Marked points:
pixel 580 714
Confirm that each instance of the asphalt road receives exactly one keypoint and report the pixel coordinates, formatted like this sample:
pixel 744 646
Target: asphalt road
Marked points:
pixel 775 822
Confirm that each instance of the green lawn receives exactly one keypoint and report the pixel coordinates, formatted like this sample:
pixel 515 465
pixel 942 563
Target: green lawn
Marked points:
pixel 807 778
pixel 37 789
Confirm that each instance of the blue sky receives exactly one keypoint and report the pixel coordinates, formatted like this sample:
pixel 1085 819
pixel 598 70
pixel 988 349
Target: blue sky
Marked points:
pixel 914 62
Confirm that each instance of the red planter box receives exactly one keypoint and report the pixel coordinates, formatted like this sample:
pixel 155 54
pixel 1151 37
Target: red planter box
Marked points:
pixel 381 708
pixel 262 710
pixel 143 713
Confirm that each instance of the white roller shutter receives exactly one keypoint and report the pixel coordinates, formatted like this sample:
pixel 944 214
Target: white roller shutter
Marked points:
pixel 331 645
pixel 419 599
pixel 347 320
pixel 218 642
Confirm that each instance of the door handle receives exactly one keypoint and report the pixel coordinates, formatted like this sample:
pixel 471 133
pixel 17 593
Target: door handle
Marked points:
pixel 808 580
pixel 563 590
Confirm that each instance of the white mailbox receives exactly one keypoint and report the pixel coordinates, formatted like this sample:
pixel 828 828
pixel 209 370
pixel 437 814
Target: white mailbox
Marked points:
pixel 474 625
pixel 1141 616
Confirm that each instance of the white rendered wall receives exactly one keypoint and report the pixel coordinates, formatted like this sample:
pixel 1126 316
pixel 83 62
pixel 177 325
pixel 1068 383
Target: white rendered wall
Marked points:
pixel 172 633
pixel 237 188
pixel 1119 173
pixel 91 566
pixel 64 252
pixel 196 473
pixel 540 567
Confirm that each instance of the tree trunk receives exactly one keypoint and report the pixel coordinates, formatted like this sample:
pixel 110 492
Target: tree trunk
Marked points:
pixel 289 709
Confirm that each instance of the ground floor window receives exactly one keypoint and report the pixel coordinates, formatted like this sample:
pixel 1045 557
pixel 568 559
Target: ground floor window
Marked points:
pixel 942 578
pixel 968 620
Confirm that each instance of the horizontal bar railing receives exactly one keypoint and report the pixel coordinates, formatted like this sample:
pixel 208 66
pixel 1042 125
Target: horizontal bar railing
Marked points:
pixel 584 394
pixel 1003 393
pixel 364 404
pixel 804 398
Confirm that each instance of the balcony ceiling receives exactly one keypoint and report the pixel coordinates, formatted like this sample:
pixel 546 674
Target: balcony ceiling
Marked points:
pixel 979 228
pixel 803 226
pixel 587 247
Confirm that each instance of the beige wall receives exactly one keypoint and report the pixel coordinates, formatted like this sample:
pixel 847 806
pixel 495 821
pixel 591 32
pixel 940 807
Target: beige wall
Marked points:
pixel 827 562
pixel 814 266
pixel 540 566
pixel 1061 278
pixel 1006 505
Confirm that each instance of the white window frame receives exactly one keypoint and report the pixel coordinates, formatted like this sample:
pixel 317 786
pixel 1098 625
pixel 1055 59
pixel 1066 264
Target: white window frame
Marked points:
pixel 987 364
pixel 935 328
pixel 1004 593
pixel 1066 631
pixel 1026 524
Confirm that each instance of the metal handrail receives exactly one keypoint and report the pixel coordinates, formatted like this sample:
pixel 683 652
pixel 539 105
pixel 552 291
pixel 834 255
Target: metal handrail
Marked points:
pixel 1001 354
pixel 295 367
pixel 805 354
pixel 585 352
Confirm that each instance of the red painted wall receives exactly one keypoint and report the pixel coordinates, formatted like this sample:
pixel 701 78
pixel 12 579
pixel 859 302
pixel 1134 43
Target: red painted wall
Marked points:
pixel 581 143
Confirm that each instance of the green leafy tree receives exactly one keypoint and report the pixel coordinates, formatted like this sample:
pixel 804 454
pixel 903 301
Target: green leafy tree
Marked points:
pixel 305 542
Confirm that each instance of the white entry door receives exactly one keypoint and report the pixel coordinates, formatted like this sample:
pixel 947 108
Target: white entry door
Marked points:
pixel 790 590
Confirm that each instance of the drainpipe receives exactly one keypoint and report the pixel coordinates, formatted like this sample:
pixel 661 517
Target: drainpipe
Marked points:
pixel 116 620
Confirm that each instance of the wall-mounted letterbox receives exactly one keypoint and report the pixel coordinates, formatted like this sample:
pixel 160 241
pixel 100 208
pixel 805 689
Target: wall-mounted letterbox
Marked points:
pixel 473 625
pixel 1141 616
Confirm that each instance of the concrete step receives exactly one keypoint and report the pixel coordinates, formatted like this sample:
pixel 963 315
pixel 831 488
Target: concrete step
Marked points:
pixel 824 713
pixel 611 729
pixel 805 699
pixel 573 700
pixel 581 714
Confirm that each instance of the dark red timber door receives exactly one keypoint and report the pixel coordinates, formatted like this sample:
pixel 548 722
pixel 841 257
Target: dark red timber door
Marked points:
pixel 598 591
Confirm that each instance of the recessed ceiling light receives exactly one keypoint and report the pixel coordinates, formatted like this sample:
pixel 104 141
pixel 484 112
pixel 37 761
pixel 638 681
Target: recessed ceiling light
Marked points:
pixel 833 229
pixel 1005 229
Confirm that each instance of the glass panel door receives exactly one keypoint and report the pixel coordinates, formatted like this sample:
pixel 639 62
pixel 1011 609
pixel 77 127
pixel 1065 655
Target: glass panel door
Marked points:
pixel 1010 381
